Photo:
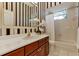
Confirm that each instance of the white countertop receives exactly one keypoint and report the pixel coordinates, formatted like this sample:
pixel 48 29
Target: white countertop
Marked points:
pixel 10 43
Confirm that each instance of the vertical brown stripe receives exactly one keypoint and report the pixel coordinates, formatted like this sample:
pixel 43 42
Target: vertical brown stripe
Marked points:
pixel 59 2
pixel 55 3
pixel 16 13
pixel 6 5
pixel 28 15
pixel 47 4
pixel 38 10
pixel 19 13
pixel 50 4
pixel 30 12
pixel 11 6
pixel 23 14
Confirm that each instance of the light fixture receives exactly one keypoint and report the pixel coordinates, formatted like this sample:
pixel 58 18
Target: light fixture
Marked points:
pixel 35 3
pixel 59 17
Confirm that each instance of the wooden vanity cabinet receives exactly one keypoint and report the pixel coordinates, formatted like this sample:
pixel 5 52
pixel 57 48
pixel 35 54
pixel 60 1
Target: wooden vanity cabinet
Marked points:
pixel 38 48
pixel 18 52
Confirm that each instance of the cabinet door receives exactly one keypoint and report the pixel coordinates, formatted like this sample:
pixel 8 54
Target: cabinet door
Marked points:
pixel 18 52
pixel 30 48
pixel 41 42
pixel 41 51
pixel 46 48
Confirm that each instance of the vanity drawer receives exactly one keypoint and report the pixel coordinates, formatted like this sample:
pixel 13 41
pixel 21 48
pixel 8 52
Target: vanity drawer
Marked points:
pixel 35 53
pixel 41 42
pixel 46 39
pixel 30 48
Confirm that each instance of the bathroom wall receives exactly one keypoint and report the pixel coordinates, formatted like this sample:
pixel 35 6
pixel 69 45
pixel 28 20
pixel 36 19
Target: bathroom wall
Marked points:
pixel 1 17
pixel 78 14
pixel 50 27
pixel 66 29
pixel 78 29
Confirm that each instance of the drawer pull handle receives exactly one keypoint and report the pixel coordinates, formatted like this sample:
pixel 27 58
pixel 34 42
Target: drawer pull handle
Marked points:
pixel 39 49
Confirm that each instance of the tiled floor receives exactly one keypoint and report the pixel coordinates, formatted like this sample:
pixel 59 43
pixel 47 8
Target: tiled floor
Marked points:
pixel 62 49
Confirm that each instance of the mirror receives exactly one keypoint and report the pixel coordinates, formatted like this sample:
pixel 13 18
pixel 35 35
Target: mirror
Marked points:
pixel 34 22
pixel 33 19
